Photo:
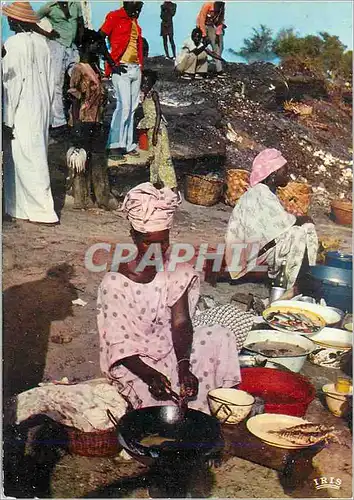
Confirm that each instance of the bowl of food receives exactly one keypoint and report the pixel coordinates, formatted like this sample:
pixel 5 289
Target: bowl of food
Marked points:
pixel 332 316
pixel 333 338
pixel 292 433
pixel 286 349
pixel 294 319
pixel 230 406
pixel 340 314
pixel 326 357
pixel 337 402
pixel 348 322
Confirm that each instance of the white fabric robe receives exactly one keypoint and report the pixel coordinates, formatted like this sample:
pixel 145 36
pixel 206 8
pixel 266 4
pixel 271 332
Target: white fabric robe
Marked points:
pixel 259 218
pixel 28 91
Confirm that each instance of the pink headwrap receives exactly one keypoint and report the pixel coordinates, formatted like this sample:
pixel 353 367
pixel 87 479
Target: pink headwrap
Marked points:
pixel 149 209
pixel 267 162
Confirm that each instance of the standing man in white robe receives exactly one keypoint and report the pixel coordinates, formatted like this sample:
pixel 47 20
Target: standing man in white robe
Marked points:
pixel 28 92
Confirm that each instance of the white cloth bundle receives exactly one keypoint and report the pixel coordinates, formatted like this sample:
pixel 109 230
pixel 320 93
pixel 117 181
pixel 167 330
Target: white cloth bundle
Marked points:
pixel 76 159
pixel 83 406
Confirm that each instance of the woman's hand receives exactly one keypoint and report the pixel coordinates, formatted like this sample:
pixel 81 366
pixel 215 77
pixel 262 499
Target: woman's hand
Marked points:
pixel 188 382
pixel 158 385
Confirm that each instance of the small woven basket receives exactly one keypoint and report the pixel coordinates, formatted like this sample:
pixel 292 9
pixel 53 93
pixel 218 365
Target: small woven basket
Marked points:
pixel 342 211
pixel 93 444
pixel 203 190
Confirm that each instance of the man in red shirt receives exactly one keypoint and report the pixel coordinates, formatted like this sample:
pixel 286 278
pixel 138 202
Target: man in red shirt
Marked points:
pixel 125 38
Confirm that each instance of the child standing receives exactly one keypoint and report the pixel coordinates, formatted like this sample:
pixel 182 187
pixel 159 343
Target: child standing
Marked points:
pixel 161 166
pixel 89 182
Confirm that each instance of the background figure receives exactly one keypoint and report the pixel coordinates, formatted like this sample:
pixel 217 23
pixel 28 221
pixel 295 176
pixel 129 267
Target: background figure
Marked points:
pixel 88 102
pixel 161 166
pixel 67 21
pixel 192 62
pixel 28 90
pixel 168 11
pixel 211 22
pixel 125 63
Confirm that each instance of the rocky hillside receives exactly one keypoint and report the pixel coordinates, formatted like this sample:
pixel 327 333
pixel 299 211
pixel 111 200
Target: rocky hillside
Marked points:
pixel 225 122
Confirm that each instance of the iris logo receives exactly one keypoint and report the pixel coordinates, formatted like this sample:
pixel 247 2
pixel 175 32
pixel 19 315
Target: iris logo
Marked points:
pixel 327 482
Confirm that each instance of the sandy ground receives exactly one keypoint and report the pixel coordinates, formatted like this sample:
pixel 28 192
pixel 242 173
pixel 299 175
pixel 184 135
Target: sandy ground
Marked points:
pixel 44 271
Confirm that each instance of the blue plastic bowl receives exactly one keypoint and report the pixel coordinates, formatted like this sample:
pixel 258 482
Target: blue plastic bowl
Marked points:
pixel 337 259
pixel 334 285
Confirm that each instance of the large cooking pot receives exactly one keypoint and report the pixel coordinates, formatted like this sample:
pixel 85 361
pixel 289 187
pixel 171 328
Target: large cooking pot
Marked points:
pixel 333 284
pixel 196 434
pixel 338 259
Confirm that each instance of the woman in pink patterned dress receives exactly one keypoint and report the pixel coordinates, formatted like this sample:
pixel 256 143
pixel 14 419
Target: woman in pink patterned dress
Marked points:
pixel 147 342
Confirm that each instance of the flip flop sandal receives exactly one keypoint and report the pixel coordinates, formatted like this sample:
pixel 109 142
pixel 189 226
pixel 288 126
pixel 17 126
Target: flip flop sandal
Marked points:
pixel 133 153
pixel 118 158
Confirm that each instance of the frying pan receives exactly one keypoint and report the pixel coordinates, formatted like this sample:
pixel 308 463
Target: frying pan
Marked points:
pixel 197 435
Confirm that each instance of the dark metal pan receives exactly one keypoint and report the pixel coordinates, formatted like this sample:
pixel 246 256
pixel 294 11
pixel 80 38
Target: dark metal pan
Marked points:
pixel 196 435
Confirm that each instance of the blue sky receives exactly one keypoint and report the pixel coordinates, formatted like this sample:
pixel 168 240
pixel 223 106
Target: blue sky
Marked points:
pixel 306 17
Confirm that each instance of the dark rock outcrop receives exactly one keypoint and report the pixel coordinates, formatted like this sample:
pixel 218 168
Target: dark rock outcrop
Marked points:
pixel 251 99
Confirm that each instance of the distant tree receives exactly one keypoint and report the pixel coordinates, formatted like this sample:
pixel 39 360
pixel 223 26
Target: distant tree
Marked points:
pixel 347 65
pixel 332 52
pixel 261 42
pixel 286 42
pixel 290 43
pixel 323 53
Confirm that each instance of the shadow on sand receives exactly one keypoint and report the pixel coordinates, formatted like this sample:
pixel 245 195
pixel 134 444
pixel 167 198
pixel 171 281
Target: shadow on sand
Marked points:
pixel 28 310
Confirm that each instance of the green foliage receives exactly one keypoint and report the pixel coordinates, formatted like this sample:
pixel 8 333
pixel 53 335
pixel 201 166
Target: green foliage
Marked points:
pixel 347 65
pixel 261 42
pixel 324 52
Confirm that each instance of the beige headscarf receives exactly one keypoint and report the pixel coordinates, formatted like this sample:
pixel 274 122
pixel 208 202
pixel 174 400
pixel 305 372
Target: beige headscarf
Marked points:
pixel 149 209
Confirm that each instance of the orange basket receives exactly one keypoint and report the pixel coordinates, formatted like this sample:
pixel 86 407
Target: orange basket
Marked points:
pixel 237 182
pixel 342 211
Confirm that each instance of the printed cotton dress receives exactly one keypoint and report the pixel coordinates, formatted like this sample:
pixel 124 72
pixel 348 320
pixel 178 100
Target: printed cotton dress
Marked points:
pixel 161 166
pixel 135 319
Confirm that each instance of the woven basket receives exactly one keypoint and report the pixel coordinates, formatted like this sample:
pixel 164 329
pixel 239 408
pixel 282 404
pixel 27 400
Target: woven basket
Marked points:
pixel 237 182
pixel 202 190
pixel 93 444
pixel 342 211
pixel 295 198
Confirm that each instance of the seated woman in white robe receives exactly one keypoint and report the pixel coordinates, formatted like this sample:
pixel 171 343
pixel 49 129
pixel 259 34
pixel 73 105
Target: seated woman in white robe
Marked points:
pixel 261 232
